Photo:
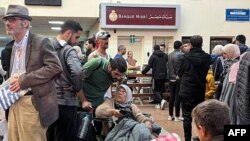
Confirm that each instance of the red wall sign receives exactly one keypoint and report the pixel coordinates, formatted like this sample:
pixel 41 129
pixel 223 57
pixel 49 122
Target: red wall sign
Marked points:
pixel 136 16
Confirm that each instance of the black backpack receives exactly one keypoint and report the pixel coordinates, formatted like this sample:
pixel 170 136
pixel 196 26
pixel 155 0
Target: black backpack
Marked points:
pixel 62 52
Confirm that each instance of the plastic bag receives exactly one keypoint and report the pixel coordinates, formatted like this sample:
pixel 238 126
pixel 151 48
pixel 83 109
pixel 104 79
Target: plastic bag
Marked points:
pixel 168 137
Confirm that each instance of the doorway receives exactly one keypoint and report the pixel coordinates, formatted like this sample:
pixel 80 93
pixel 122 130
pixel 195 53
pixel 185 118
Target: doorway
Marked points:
pixel 135 47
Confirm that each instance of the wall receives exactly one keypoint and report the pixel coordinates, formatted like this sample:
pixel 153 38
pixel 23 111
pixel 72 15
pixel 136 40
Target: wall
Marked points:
pixel 198 17
pixel 69 8
pixel 203 17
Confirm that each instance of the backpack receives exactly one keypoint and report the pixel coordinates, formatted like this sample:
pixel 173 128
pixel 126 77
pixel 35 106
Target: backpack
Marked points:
pixel 62 52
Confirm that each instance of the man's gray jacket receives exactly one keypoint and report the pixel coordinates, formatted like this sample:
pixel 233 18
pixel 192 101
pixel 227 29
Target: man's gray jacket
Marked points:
pixel 174 64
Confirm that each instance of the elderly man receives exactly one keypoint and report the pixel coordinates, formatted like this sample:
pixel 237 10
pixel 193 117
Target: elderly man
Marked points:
pixel 33 67
pixel 121 51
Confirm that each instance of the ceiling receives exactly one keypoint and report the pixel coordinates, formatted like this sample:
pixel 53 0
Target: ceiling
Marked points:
pixel 40 25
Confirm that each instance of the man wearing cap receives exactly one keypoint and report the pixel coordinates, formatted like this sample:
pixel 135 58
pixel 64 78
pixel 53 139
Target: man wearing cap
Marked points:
pixel 102 43
pixel 33 65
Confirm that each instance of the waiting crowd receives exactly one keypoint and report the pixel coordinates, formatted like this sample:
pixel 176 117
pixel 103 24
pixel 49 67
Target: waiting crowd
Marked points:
pixel 57 82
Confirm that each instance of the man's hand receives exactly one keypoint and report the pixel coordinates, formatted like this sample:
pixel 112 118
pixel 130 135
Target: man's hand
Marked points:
pixel 86 105
pixel 14 83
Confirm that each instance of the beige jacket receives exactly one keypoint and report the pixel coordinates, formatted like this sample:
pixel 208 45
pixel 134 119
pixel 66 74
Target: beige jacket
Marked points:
pixel 105 111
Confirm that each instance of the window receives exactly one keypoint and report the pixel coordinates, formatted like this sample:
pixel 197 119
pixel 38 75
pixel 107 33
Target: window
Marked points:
pixel 44 2
pixel 219 41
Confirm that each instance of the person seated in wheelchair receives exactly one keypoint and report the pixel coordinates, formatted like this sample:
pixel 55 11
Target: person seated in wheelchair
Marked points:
pixel 121 107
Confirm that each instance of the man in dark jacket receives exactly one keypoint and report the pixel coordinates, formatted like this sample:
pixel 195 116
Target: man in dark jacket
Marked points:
pixel 158 61
pixel 241 42
pixel 174 84
pixel 68 83
pixel 193 70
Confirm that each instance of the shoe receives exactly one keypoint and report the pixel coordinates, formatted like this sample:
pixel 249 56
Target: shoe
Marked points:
pixel 170 118
pixel 157 106
pixel 178 119
pixel 163 103
pixel 181 118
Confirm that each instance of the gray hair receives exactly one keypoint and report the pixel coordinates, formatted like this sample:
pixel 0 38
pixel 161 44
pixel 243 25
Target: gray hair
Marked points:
pixel 121 47
pixel 218 50
pixel 232 51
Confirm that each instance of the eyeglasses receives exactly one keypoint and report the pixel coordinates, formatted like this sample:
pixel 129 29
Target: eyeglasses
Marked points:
pixel 121 91
pixel 11 19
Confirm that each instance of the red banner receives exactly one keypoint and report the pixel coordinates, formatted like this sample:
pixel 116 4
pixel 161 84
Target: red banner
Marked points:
pixel 162 16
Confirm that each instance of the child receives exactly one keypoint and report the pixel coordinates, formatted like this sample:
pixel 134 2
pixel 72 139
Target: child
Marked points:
pixel 210 85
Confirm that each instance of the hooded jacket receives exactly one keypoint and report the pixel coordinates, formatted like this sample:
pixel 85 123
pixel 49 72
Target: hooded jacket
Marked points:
pixel 158 62
pixel 193 71
pixel 210 85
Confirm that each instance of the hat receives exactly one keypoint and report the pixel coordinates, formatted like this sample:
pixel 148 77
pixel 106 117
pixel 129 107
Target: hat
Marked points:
pixel 102 35
pixel 17 11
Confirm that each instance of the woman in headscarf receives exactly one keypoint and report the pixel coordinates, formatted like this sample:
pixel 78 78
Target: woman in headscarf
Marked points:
pixel 120 106
pixel 231 54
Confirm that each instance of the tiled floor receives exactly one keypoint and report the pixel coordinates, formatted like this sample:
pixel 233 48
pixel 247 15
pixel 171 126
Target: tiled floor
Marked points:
pixel 160 116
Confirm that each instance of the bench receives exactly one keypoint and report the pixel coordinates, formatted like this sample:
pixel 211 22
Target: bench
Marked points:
pixel 144 85
pixel 138 85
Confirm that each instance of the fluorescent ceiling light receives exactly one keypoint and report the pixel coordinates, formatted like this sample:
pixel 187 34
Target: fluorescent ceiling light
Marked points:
pixel 1 37
pixel 55 22
pixel 55 28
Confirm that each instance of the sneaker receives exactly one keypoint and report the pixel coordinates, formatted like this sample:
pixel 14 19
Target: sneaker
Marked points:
pixel 181 118
pixel 157 106
pixel 178 119
pixel 163 103
pixel 170 118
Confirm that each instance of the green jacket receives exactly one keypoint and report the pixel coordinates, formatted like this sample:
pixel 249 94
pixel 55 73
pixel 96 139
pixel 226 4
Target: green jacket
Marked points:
pixel 96 80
